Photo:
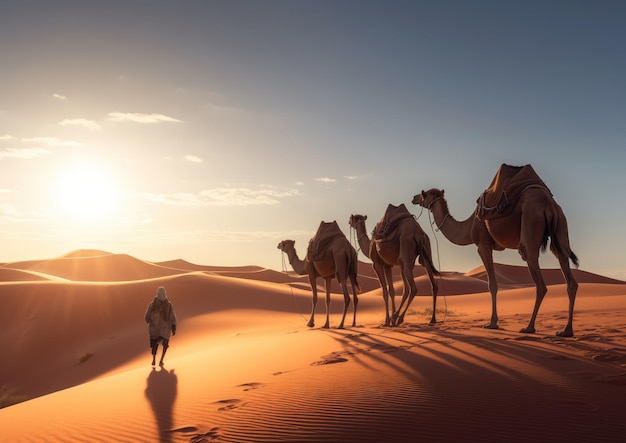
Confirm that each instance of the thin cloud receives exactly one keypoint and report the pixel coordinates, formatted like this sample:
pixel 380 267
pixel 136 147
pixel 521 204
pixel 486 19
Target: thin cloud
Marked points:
pixel 60 97
pixel 224 196
pixel 225 110
pixel 50 141
pixel 326 180
pixel 193 159
pixel 7 137
pixel 139 117
pixel 351 177
pixel 10 213
pixel 22 153
pixel 89 124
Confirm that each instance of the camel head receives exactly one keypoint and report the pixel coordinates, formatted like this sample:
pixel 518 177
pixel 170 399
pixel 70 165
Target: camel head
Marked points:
pixel 286 245
pixel 427 198
pixel 355 219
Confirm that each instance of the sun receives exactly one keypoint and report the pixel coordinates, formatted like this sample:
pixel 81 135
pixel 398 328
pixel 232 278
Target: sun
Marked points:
pixel 86 192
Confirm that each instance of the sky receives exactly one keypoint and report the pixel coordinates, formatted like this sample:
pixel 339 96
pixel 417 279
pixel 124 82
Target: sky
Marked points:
pixel 212 130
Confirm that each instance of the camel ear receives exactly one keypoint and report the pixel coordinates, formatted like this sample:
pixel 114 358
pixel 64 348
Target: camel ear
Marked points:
pixel 365 217
pixel 442 191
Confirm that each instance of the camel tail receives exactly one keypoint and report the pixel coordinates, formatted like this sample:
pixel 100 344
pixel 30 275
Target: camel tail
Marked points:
pixel 426 261
pixel 353 272
pixel 551 233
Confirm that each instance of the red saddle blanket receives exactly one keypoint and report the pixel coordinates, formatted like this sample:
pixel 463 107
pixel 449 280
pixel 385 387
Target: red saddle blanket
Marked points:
pixel 505 189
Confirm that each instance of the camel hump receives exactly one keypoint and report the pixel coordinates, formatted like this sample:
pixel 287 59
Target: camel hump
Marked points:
pixel 509 183
pixel 393 217
pixel 326 233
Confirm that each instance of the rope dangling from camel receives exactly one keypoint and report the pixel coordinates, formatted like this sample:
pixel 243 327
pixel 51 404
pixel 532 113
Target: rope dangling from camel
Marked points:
pixel 432 223
pixel 293 295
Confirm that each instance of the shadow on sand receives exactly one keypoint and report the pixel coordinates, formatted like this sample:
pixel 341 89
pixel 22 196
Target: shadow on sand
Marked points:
pixel 161 392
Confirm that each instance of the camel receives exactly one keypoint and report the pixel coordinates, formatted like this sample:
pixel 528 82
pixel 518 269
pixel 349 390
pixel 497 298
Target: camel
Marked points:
pixel 335 257
pixel 400 248
pixel 530 219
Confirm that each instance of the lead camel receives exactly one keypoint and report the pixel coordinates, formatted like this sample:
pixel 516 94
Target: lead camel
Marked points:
pixel 523 219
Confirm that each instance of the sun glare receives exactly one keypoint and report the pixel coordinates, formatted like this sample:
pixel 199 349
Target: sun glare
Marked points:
pixel 86 192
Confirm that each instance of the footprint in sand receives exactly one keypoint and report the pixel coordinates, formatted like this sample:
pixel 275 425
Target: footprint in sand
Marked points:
pixel 213 435
pixel 250 386
pixel 330 359
pixel 229 404
pixel 607 357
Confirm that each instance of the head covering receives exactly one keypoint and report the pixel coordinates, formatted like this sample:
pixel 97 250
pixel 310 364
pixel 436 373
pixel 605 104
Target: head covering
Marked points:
pixel 161 294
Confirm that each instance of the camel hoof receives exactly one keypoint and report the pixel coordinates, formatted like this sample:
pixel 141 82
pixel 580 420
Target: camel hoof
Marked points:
pixel 310 324
pixel 491 326
pixel 432 323
pixel 565 333
pixel 527 330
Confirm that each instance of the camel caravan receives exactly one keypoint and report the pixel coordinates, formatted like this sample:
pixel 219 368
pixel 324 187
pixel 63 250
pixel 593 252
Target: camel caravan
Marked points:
pixel 516 211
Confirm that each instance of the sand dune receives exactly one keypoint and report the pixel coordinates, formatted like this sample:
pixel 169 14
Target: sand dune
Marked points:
pixel 244 366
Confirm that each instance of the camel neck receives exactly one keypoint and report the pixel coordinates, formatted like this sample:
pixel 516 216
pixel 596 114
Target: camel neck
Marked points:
pixel 295 262
pixel 362 238
pixel 457 232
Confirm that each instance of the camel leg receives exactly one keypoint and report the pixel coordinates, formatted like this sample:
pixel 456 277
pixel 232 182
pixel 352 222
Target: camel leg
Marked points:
pixel 356 299
pixel 408 292
pixel 572 288
pixel 327 324
pixel 408 296
pixel 346 302
pixel 380 273
pixel 535 273
pixel 391 290
pixel 311 322
pixel 486 254
pixel 435 288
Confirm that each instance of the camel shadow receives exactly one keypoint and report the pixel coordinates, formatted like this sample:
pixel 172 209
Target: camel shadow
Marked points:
pixel 161 390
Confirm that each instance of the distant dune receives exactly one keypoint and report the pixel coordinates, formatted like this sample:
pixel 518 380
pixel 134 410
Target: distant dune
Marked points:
pixel 244 366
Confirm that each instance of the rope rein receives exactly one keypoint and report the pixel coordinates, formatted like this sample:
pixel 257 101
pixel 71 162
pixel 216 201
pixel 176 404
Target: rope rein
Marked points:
pixel 432 223
pixel 295 299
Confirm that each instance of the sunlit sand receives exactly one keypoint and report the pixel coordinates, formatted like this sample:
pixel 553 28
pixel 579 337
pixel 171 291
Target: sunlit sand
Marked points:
pixel 244 366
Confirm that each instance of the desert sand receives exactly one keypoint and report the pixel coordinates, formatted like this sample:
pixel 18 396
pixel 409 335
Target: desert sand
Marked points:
pixel 244 367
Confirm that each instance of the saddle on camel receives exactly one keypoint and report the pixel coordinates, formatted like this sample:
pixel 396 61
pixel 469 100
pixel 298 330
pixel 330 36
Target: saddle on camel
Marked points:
pixel 509 183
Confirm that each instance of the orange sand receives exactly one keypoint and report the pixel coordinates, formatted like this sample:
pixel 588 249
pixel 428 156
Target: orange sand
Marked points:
pixel 244 367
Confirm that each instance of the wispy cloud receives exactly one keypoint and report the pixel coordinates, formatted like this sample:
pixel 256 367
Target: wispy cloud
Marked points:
pixel 224 110
pixel 225 196
pixel 10 213
pixel 139 117
pixel 59 97
pixel 326 180
pixel 193 159
pixel 23 153
pixel 351 177
pixel 89 124
pixel 50 141
pixel 28 148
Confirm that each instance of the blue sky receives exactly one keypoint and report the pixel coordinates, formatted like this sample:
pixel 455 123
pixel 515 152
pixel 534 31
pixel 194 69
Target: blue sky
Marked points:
pixel 211 130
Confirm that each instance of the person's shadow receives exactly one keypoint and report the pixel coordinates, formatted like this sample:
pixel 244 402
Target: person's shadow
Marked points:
pixel 161 392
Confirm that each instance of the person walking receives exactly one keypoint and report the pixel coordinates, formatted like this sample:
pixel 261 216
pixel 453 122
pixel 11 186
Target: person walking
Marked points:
pixel 161 320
